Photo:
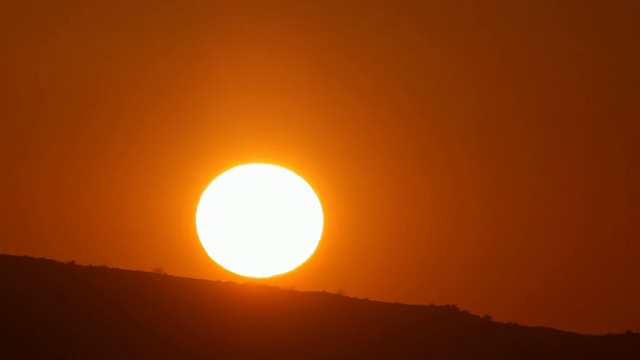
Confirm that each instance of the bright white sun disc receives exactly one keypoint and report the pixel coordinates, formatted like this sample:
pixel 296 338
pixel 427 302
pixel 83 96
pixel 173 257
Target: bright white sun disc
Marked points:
pixel 259 220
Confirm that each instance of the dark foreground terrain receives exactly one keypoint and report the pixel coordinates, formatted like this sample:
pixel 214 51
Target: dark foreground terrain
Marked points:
pixel 55 310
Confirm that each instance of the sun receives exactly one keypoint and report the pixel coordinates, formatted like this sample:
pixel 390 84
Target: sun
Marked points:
pixel 259 220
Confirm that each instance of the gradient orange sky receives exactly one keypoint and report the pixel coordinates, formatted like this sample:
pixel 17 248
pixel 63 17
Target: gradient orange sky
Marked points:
pixel 478 153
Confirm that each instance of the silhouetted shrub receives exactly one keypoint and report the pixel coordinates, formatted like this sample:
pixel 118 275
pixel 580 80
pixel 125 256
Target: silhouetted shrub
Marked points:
pixel 451 307
pixel 158 270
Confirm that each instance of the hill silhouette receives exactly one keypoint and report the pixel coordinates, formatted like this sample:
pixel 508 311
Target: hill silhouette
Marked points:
pixel 50 310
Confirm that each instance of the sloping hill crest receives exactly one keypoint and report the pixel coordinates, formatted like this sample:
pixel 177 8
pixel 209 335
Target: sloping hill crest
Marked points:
pixel 50 309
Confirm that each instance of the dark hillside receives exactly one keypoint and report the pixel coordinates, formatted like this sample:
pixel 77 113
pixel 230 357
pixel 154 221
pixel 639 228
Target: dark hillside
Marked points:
pixel 55 310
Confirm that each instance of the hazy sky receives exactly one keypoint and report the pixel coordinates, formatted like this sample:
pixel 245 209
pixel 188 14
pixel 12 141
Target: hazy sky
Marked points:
pixel 478 153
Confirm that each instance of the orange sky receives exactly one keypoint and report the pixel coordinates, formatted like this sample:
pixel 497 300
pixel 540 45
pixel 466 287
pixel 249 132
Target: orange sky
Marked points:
pixel 478 153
